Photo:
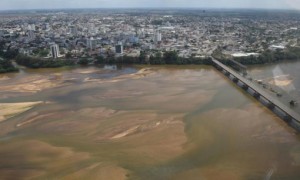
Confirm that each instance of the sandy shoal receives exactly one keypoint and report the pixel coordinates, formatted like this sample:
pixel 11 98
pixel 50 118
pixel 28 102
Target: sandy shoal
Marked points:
pixel 9 110
pixel 280 82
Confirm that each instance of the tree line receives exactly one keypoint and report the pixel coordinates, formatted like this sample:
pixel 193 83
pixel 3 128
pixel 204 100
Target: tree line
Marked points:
pixel 158 58
pixel 34 62
pixel 268 56
pixel 5 59
pixel 153 58
pixel 7 66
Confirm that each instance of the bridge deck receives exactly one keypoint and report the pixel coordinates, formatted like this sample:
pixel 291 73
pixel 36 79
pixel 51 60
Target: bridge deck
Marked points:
pixel 262 93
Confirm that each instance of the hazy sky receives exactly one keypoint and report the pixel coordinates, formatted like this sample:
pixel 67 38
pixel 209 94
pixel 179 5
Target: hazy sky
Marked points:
pixel 49 4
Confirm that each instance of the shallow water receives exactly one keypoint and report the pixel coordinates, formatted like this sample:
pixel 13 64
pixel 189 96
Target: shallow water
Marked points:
pixel 186 122
pixel 287 79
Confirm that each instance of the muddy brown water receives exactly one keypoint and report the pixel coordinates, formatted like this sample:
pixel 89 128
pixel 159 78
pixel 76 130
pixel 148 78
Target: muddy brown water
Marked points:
pixel 171 122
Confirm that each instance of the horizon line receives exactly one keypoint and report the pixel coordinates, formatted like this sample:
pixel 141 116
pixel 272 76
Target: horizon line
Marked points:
pixel 154 8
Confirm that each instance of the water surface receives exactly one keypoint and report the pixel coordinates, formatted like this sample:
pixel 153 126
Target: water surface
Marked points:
pixel 186 122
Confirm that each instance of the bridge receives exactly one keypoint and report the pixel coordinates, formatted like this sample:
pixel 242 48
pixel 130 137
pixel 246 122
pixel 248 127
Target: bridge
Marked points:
pixel 280 109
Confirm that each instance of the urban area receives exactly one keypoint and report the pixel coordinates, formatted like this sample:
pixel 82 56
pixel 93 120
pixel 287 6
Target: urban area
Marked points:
pixel 147 36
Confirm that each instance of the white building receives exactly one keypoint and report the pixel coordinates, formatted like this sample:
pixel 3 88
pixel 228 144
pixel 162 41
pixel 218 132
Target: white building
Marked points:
pixel 31 27
pixel 54 49
pixel 157 36
pixel 31 35
pixel 275 47
pixel 91 43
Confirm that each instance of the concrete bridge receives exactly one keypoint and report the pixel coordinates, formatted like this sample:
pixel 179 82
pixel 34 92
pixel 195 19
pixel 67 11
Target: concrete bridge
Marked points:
pixel 280 109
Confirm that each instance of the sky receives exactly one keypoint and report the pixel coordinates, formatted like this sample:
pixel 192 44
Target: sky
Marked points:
pixel 61 4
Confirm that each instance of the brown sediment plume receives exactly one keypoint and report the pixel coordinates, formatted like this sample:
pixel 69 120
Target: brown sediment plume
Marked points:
pixel 158 137
pixel 99 171
pixel 36 159
pixel 36 118
pixel 295 155
pixel 239 146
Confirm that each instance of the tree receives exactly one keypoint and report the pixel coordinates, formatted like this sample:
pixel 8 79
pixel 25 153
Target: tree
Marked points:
pixel 34 62
pixel 10 54
pixel 6 66
pixel 171 57
pixel 68 55
pixel 100 60
pixel 83 61
pixel 142 57
pixel 43 53
pixel 157 58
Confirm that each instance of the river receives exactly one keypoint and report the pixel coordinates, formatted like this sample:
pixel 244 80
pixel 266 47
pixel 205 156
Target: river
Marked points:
pixel 283 77
pixel 156 122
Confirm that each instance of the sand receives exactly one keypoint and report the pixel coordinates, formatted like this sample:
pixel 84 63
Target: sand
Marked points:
pixel 140 74
pixel 87 71
pixel 31 87
pixel 280 82
pixel 9 110
pixel 283 80
pixel 125 133
pixel 2 78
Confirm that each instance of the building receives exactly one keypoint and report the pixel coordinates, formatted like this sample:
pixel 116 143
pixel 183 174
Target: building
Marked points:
pixel 46 27
pixel 134 39
pixel 119 49
pixel 31 35
pixel 54 49
pixel 275 47
pixel 73 30
pixel 31 27
pixel 91 43
pixel 157 36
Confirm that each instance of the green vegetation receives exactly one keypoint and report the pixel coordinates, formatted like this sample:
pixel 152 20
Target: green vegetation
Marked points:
pixel 33 62
pixel 158 58
pixel 155 58
pixel 68 55
pixel 83 61
pixel 5 62
pixel 171 57
pixel 43 53
pixel 40 52
pixel 6 66
pixel 268 56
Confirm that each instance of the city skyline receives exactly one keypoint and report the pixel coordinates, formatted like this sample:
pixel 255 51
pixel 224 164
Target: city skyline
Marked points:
pixel 72 4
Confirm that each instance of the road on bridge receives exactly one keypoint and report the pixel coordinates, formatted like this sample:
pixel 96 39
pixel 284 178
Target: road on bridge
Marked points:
pixel 260 91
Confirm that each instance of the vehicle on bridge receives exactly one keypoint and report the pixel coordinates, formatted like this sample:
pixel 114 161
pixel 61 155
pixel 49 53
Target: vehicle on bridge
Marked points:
pixel 293 103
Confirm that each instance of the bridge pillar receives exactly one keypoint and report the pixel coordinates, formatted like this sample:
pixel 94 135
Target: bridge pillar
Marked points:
pixel 287 118
pixel 271 105
pixel 216 66
pixel 245 87
pixel 235 79
pixel 256 95
pixel 227 73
